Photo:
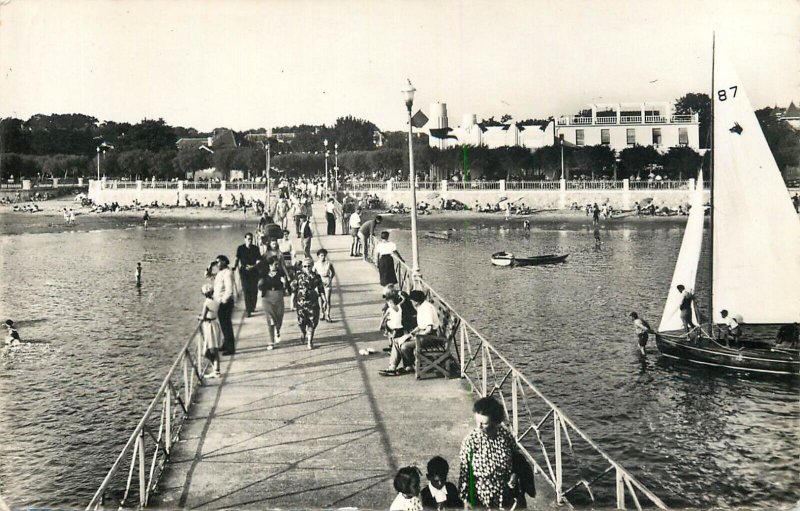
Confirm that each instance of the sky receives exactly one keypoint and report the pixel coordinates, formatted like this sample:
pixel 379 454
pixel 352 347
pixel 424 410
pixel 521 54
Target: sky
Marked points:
pixel 248 64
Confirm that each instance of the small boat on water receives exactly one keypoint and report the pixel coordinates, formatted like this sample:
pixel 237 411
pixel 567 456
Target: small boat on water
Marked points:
pixel 509 259
pixel 439 235
pixel 754 251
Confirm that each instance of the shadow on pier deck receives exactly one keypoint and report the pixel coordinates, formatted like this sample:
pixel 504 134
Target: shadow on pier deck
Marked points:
pixel 299 428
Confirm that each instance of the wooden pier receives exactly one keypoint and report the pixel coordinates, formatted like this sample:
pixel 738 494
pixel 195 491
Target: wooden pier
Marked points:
pixel 300 428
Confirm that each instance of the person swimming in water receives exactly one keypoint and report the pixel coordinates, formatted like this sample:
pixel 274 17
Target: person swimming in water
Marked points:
pixel 12 337
pixel 138 274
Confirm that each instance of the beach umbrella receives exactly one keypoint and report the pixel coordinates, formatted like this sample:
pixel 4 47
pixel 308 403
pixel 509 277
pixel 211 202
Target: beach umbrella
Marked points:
pixel 518 198
pixel 501 199
pixel 646 201
pixel 432 195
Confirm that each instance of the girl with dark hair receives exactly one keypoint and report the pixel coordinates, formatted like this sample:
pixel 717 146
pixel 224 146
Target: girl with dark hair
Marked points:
pixel 406 482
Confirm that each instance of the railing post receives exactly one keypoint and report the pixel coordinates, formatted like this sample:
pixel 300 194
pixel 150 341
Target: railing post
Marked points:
pixel 223 186
pixel 626 193
pixel 463 347
pixel 168 419
pixel 389 185
pixel 444 185
pixel 557 447
pixel 483 369
pixel 142 480
pixel 502 185
pixel 514 406
pixel 186 387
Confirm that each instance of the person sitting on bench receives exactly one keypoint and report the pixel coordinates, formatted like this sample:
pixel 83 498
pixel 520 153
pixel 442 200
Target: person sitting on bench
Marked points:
pixel 425 333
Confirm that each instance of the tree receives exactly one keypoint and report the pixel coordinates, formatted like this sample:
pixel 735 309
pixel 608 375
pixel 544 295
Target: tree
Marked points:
pixel 680 162
pixel 13 137
pixel 191 160
pixel 137 163
pixel 353 134
pixel 151 135
pixel 697 103
pixel 781 138
pixel 633 160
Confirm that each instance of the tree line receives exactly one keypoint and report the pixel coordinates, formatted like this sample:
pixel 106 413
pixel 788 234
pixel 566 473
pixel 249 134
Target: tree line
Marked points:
pixel 66 145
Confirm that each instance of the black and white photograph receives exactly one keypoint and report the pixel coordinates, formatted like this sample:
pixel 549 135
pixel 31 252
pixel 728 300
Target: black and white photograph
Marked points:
pixel 400 254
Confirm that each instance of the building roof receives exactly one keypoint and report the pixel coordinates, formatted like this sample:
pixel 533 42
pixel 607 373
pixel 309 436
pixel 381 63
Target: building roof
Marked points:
pixel 222 139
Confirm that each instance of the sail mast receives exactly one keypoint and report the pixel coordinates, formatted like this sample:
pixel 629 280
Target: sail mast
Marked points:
pixel 711 187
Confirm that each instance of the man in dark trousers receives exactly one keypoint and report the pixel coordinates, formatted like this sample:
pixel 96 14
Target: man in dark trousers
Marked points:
pixel 305 232
pixel 330 216
pixel 247 258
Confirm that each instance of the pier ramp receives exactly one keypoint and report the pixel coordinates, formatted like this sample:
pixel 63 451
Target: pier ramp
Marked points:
pixel 299 428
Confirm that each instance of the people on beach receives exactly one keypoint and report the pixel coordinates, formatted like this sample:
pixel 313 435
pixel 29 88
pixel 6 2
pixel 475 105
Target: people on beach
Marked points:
pixel 325 270
pixel 439 494
pixel 595 214
pixel 247 259
pixel 210 329
pixel 642 329
pixel 486 477
pixel 385 252
pixel 309 291
pixel 355 223
pixel 223 295
pixel 12 336
pixel 273 285
pixel 407 483
pixel 330 216
pixel 597 241
pixel 145 219
pixel 138 274
pixel 687 299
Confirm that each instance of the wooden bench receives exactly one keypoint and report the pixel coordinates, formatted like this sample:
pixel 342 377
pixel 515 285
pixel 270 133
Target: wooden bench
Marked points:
pixel 434 356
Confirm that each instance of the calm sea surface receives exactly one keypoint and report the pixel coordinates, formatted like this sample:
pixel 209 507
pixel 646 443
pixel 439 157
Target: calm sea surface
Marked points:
pixel 69 400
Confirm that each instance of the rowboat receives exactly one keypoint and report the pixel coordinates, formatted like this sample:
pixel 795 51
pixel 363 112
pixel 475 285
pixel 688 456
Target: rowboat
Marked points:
pixel 439 235
pixel 509 259
pixel 754 251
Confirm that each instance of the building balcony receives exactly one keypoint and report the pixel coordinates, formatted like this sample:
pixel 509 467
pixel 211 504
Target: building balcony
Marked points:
pixel 576 120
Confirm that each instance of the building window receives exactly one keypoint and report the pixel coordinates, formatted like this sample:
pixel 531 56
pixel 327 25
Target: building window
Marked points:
pixel 656 137
pixel 605 136
pixel 578 137
pixel 683 137
pixel 631 133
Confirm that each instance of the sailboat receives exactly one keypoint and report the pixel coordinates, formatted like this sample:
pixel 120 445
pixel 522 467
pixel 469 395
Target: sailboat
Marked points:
pixel 755 249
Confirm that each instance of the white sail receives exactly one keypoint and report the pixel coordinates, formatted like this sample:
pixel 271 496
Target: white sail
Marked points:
pixel 756 232
pixel 688 259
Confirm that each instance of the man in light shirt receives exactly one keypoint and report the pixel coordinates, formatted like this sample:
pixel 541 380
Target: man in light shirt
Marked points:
pixel 355 224
pixel 223 295
pixel 426 332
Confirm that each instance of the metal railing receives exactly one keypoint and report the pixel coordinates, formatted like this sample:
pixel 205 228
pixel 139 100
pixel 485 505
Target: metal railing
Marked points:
pixel 664 184
pixel 595 184
pixel 363 186
pixel 246 185
pixel 150 445
pixel 545 435
pixel 11 186
pixel 201 185
pixel 533 185
pixel 473 185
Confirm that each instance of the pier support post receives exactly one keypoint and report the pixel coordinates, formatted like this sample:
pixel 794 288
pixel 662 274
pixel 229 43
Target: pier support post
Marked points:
pixel 80 181
pixel 444 185
pixel 692 184
pixel 55 182
pixel 626 194
pixel 562 193
pixel 502 185
pixel 557 448
pixel 26 184
pixel 389 185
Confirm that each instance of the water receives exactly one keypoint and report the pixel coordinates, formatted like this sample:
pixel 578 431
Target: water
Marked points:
pixel 71 399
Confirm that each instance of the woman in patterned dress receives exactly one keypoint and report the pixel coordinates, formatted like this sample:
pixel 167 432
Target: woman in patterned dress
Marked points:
pixel 309 291
pixel 486 479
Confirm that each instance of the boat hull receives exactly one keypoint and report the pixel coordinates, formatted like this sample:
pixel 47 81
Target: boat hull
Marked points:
pixel 507 259
pixel 707 352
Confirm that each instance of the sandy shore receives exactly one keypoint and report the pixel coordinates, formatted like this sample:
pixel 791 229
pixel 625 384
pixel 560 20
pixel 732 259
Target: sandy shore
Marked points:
pixel 51 219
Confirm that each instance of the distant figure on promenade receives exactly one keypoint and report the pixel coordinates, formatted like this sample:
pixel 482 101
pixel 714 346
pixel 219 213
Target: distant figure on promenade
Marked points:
pixel 295 211
pixel 219 200
pixel 407 483
pixel 486 478
pixel 263 222
pixel 325 270
pixel 338 212
pixel 355 224
pixel 212 335
pixel 286 247
pixel 273 285
pixel 274 250
pixel 439 493
pixel 247 258
pixel 145 219
pixel 12 336
pixel 330 216
pixel 366 232
pixel 223 295
pixel 305 231
pixel 385 251
pixel 282 213
pixel 309 290
pixel 138 274
pixel 685 307
pixel 642 329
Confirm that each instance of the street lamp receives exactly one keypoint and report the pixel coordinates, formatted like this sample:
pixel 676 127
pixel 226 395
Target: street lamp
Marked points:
pixel 561 142
pixel 408 97
pixel 325 143
pixel 102 146
pixel 266 172
pixel 336 166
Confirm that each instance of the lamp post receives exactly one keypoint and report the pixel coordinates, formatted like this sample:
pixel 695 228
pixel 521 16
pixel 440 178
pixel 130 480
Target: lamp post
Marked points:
pixel 98 163
pixel 561 143
pixel 336 166
pixel 408 97
pixel 266 171
pixel 325 143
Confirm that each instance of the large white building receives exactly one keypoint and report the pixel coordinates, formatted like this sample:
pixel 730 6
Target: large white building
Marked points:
pixel 472 133
pixel 623 125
